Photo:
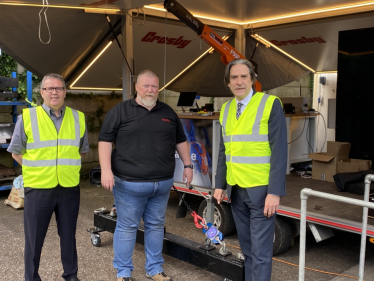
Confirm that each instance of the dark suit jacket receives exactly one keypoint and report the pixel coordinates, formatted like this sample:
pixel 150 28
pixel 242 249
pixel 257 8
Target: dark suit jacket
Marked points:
pixel 278 160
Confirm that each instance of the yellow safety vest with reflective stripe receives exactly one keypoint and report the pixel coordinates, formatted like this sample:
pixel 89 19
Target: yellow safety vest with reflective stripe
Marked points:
pixel 52 158
pixel 247 142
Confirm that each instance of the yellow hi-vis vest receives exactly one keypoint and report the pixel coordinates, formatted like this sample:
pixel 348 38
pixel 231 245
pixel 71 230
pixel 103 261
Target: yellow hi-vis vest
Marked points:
pixel 52 158
pixel 247 142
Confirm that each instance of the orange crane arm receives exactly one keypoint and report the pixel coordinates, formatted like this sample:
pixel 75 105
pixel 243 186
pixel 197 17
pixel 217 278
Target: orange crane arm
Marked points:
pixel 227 52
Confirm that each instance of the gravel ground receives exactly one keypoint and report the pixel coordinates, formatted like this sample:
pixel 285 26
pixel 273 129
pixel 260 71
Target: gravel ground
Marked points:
pixel 338 254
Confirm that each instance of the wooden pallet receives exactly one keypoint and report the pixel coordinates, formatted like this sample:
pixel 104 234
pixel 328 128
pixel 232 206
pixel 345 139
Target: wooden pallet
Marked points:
pixel 6 172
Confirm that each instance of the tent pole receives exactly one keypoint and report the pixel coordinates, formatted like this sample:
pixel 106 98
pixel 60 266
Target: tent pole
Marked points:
pixel 240 40
pixel 127 45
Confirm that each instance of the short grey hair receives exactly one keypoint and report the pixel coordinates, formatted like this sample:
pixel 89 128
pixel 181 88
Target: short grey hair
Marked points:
pixel 53 76
pixel 239 61
pixel 146 72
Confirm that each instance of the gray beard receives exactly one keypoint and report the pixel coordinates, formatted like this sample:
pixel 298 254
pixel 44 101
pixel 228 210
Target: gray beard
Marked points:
pixel 148 102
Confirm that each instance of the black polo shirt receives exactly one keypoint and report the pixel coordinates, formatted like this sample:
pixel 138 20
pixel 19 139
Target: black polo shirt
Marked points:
pixel 145 141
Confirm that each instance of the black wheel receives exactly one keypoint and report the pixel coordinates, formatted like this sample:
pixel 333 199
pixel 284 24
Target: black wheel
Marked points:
pixel 223 218
pixel 96 241
pixel 283 236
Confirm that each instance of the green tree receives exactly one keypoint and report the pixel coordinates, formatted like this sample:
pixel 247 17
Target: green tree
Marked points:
pixel 8 65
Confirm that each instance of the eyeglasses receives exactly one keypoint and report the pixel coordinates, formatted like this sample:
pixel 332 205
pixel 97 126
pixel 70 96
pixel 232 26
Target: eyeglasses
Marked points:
pixel 50 89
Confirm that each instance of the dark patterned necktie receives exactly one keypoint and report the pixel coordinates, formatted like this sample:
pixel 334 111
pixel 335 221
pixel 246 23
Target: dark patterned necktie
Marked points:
pixel 238 110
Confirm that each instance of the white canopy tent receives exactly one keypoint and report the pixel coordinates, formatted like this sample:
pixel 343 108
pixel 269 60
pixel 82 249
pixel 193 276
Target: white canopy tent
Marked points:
pixel 305 30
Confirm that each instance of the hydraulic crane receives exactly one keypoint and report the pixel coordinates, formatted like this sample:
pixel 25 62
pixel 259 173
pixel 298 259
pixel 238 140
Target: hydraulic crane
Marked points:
pixel 227 52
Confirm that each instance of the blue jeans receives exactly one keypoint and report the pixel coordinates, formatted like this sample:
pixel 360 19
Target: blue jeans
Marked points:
pixel 136 200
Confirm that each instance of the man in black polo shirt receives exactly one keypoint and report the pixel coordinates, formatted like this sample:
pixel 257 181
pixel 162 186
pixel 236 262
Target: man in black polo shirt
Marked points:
pixel 139 171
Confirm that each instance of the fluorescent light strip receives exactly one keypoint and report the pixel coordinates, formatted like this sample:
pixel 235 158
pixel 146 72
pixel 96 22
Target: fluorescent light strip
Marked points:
pixel 59 6
pixel 84 71
pixel 98 89
pixel 280 17
pixel 154 8
pixel 202 17
pixel 283 52
pixel 314 12
pixel 184 70
pixel 210 50
pixel 328 71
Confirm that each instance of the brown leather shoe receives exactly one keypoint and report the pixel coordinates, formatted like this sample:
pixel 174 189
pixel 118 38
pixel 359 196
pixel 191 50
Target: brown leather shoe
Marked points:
pixel 159 277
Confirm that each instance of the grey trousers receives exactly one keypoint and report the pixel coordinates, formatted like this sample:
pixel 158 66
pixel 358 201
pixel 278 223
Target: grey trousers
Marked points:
pixel 256 233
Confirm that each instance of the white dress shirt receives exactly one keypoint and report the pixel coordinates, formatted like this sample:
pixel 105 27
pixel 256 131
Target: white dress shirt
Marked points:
pixel 244 101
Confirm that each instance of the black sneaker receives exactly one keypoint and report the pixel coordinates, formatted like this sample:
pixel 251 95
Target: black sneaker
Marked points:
pixel 125 279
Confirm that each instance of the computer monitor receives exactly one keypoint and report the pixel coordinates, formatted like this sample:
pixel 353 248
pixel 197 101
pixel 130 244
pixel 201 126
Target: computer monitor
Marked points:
pixel 187 99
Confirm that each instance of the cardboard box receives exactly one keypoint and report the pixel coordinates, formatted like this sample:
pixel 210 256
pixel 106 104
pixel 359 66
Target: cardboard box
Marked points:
pixel 16 198
pixel 325 163
pixel 353 165
pixel 371 211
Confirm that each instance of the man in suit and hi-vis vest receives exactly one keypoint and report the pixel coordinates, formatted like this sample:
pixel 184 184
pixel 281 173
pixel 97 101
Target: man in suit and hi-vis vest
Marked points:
pixel 252 165
pixel 49 141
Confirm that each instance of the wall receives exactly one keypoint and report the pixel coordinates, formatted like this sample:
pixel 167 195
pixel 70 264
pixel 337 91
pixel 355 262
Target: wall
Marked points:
pixel 294 89
pixel 89 106
pixel 324 92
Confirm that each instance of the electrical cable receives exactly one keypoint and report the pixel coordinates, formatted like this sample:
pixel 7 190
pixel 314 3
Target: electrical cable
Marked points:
pixel 166 22
pixel 119 45
pixel 308 268
pixel 137 14
pixel 46 21
pixel 307 132
pixel 324 122
pixel 301 131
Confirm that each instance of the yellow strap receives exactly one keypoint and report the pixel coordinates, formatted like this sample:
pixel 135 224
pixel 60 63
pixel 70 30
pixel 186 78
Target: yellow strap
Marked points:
pixel 32 103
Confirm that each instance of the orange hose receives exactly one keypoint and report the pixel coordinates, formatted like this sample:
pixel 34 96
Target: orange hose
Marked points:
pixel 308 268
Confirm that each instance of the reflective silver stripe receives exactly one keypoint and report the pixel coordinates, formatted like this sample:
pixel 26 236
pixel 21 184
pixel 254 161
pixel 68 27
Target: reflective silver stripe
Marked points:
pixel 255 136
pixel 228 158
pixel 34 125
pixel 225 116
pixel 68 142
pixel 50 143
pixel 250 159
pixel 49 163
pixel 260 112
pixel 226 139
pixel 77 127
pixel 41 144
pixel 250 138
pixel 38 163
pixel 69 162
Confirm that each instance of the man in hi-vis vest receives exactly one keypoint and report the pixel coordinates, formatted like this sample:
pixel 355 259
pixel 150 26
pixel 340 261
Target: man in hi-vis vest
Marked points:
pixel 252 161
pixel 49 141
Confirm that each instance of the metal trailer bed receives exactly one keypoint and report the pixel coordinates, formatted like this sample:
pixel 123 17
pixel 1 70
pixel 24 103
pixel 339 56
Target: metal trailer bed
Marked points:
pixel 323 216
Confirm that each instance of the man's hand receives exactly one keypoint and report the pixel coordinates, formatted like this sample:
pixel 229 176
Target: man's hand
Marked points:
pixel 218 195
pixel 188 175
pixel 271 205
pixel 107 179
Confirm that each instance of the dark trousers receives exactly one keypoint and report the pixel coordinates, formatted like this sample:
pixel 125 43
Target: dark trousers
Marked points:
pixel 255 233
pixel 39 206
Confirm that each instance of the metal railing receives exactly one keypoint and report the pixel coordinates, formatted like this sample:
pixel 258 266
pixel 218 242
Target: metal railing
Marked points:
pixel 363 203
